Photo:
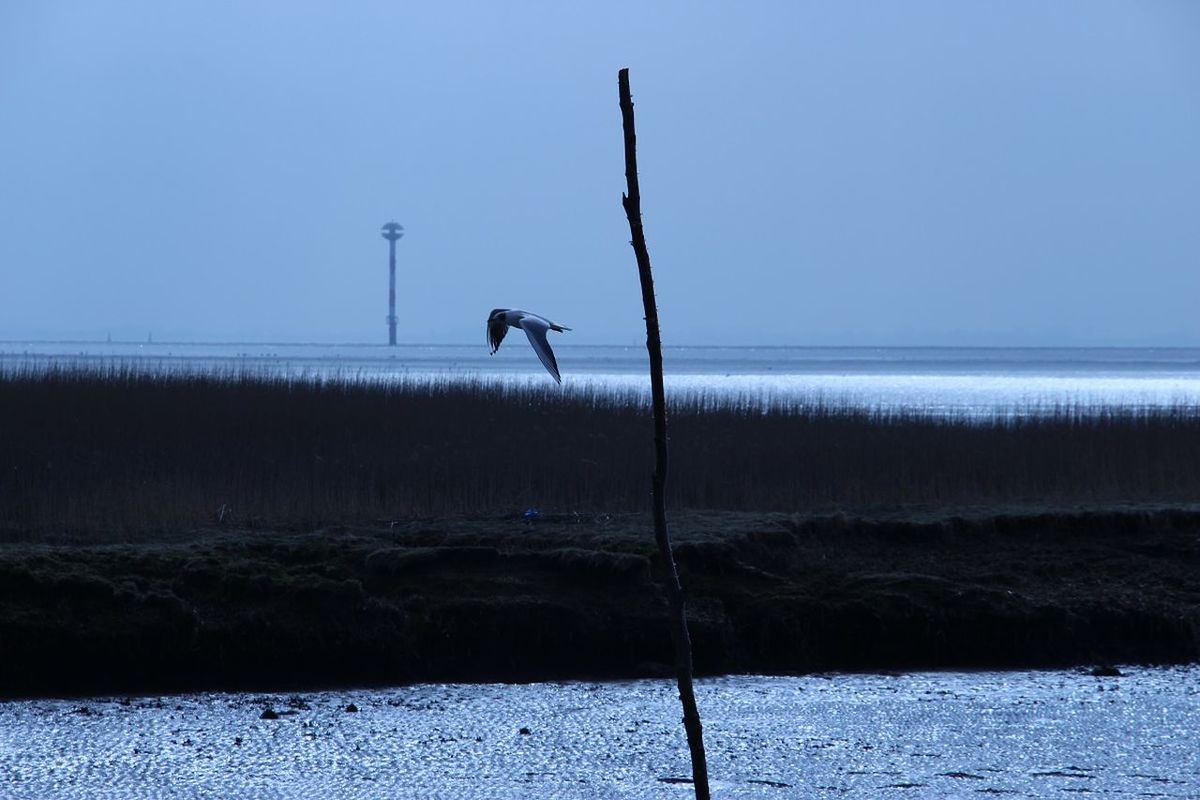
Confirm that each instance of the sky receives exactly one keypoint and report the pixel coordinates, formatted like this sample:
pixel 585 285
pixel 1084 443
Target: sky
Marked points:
pixel 812 173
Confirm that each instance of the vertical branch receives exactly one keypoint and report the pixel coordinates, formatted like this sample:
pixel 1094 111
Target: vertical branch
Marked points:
pixel 632 200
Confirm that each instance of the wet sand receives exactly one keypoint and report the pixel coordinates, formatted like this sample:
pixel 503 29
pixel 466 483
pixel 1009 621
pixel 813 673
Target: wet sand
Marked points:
pixel 918 735
pixel 502 599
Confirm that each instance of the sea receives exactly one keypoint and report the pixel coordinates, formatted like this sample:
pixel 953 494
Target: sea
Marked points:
pixel 970 381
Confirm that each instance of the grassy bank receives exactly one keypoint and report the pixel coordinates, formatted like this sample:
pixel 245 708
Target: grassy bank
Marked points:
pixel 98 451
pixel 565 597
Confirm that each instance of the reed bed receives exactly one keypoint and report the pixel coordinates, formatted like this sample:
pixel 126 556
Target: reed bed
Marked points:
pixel 118 448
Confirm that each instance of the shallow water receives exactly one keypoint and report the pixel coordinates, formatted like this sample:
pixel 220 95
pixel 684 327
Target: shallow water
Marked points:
pixel 970 381
pixel 1031 734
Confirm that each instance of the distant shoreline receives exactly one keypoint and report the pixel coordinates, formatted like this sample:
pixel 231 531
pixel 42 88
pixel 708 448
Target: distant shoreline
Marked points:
pixel 637 344
pixel 503 599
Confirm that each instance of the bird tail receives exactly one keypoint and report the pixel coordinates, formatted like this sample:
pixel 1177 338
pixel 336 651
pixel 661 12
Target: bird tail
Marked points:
pixel 559 328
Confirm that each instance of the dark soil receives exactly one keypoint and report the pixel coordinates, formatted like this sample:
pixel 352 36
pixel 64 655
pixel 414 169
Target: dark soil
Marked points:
pixel 570 597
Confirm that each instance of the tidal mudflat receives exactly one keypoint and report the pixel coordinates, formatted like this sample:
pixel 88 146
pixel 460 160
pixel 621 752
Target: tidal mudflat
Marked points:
pixel 919 735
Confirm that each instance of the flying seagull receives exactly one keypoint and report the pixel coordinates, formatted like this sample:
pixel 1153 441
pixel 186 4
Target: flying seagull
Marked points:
pixel 535 327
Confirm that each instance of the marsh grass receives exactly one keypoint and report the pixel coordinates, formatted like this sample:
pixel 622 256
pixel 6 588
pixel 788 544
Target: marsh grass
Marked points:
pixel 117 448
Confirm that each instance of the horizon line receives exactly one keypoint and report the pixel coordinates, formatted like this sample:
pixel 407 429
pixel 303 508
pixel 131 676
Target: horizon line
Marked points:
pixel 268 343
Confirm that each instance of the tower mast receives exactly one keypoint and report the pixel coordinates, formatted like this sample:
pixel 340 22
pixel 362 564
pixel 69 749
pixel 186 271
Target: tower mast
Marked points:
pixel 392 232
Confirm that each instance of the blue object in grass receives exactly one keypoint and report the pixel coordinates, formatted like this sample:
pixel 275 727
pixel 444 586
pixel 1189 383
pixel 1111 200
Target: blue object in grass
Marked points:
pixel 531 514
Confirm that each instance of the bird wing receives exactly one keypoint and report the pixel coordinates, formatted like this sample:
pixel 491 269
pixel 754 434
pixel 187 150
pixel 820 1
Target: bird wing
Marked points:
pixel 554 326
pixel 535 328
pixel 496 328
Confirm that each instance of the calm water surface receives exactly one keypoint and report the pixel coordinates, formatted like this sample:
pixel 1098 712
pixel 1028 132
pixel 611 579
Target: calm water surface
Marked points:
pixel 937 380
pixel 1032 734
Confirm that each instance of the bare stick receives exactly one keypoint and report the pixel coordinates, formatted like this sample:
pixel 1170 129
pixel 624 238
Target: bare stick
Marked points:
pixel 632 200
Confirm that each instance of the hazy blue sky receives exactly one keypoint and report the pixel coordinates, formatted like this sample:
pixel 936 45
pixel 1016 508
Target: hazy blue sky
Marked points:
pixel 812 173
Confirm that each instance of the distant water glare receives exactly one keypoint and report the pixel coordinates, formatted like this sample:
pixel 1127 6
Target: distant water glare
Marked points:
pixel 966 381
pixel 933 735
